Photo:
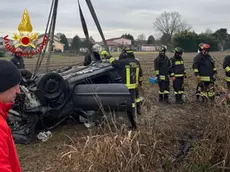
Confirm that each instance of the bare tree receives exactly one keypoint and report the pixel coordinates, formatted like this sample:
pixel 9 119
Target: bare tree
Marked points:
pixel 183 26
pixel 169 23
pixel 208 31
pixel 141 37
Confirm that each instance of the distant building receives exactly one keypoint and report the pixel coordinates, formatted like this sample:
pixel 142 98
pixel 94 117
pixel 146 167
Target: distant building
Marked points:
pixel 57 45
pixel 115 44
pixel 70 41
pixel 2 45
pixel 2 42
pixel 149 47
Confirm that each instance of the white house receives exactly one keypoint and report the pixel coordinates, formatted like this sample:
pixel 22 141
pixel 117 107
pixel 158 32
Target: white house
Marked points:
pixel 57 45
pixel 2 42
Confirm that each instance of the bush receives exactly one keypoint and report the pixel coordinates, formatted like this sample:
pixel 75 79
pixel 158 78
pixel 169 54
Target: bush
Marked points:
pixel 2 54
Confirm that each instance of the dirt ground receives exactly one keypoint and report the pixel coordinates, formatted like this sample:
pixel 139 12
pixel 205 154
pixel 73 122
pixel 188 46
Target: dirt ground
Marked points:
pixel 47 156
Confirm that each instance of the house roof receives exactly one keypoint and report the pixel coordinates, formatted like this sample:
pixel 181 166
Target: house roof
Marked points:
pixel 110 43
pixel 55 41
pixel 112 39
pixel 150 45
pixel 55 36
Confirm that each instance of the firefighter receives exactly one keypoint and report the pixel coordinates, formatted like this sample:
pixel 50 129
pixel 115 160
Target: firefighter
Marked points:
pixel 17 60
pixel 104 55
pixel 162 70
pixel 123 53
pixel 205 71
pixel 131 74
pixel 178 74
pixel 94 56
pixel 226 66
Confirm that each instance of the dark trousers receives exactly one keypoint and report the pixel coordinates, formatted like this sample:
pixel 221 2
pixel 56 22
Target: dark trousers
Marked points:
pixel 138 101
pixel 178 86
pixel 164 89
pixel 228 96
pixel 205 89
pixel 136 105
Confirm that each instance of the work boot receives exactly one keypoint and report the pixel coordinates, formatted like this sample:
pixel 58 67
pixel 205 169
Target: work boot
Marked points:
pixel 181 101
pixel 161 98
pixel 132 120
pixel 177 97
pixel 166 98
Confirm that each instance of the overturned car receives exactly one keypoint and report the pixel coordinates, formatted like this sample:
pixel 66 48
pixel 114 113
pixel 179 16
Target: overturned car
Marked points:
pixel 69 92
pixel 79 92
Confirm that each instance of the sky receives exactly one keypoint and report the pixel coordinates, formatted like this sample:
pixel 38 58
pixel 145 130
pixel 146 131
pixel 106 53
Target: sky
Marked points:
pixel 115 16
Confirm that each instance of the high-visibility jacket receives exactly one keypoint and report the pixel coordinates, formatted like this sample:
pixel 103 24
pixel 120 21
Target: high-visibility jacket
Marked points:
pixel 130 71
pixel 162 67
pixel 204 66
pixel 226 66
pixel 177 67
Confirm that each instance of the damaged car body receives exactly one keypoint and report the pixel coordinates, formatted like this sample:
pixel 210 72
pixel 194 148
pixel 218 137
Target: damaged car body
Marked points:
pixel 75 92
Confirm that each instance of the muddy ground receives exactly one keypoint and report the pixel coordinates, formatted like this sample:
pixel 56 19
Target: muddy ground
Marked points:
pixel 47 156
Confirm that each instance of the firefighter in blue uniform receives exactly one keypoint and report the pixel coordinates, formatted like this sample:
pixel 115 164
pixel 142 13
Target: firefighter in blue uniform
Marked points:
pixel 178 74
pixel 131 73
pixel 226 66
pixel 162 70
pixel 205 71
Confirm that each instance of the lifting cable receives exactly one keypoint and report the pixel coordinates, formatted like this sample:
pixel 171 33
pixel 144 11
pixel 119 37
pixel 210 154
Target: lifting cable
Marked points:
pixel 93 13
pixel 85 29
pixel 51 27
pixel 48 26
pixel 53 24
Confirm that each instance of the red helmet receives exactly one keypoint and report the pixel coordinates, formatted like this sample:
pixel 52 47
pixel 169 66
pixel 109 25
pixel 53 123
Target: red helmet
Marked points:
pixel 204 46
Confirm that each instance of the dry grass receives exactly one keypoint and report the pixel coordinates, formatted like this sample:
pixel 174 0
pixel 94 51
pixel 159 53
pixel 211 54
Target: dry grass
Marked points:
pixel 179 138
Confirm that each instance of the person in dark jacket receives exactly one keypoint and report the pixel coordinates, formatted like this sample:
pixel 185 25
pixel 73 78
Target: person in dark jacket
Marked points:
pixel 11 76
pixel 123 54
pixel 131 73
pixel 178 73
pixel 205 71
pixel 162 70
pixel 94 56
pixel 226 66
pixel 17 59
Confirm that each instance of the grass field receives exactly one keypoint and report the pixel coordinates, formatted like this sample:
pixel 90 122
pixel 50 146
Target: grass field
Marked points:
pixel 164 132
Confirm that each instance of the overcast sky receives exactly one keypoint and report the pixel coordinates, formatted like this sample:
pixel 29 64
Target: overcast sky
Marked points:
pixel 115 16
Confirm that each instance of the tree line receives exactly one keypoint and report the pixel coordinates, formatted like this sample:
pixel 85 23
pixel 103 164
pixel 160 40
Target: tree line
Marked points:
pixel 173 32
pixel 176 32
pixel 78 43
